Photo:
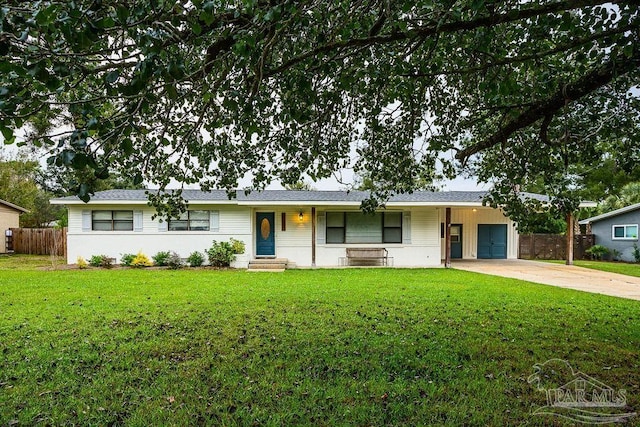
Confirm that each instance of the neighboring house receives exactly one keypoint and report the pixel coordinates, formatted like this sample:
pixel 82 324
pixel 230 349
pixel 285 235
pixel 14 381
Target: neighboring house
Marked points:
pixel 9 218
pixel 617 230
pixel 309 228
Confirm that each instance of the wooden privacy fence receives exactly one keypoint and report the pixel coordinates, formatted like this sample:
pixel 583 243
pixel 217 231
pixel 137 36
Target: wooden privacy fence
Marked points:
pixel 40 241
pixel 553 246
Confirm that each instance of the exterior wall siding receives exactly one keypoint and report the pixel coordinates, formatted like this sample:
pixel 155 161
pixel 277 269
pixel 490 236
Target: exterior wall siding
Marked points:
pixel 234 222
pixel 9 218
pixel 603 231
pixel 423 251
pixel 423 248
pixel 470 220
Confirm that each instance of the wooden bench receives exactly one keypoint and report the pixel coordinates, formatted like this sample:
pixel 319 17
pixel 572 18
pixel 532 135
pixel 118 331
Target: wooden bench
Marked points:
pixel 367 256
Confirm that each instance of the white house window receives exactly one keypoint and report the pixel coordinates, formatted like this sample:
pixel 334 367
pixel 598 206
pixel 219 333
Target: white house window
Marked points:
pixel 625 232
pixel 190 221
pixel 112 220
pixel 357 227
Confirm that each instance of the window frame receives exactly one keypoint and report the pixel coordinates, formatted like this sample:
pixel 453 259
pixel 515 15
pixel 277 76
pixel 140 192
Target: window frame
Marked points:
pixel 112 221
pixel 343 227
pixel 384 230
pixel 624 228
pixel 397 228
pixel 189 220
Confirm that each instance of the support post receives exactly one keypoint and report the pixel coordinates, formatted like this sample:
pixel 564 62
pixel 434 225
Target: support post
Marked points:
pixel 447 238
pixel 570 239
pixel 313 236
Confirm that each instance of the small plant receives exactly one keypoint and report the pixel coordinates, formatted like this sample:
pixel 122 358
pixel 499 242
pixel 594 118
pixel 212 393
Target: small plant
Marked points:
pixel 141 260
pixel 103 261
pixel 174 261
pixel 196 259
pixel 615 254
pixel 636 252
pixel 160 259
pixel 82 263
pixel 237 245
pixel 598 252
pixel 95 260
pixel 127 259
pixel 222 254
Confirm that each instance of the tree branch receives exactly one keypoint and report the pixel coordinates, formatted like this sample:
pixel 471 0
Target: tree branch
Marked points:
pixel 441 28
pixel 597 78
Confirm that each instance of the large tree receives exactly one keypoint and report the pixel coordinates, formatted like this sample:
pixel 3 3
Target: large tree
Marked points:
pixel 206 92
pixel 18 185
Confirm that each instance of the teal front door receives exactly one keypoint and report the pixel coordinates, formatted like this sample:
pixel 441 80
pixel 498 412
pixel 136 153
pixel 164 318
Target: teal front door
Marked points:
pixel 492 241
pixel 265 234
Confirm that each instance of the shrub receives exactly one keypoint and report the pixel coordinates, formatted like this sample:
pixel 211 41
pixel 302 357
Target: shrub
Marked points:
pixel 196 259
pixel 615 254
pixel 237 245
pixel 636 252
pixel 82 263
pixel 161 258
pixel 127 259
pixel 174 261
pixel 95 260
pixel 222 254
pixel 598 252
pixel 103 261
pixel 141 260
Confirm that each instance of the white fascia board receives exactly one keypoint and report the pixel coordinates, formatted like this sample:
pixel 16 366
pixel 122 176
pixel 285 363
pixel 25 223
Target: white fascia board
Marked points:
pixel 357 204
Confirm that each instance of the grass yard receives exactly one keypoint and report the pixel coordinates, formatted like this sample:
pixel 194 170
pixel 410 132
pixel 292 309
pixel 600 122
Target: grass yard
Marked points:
pixel 611 267
pixel 323 347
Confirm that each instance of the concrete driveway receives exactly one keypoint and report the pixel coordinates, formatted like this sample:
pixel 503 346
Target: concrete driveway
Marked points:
pixel 564 276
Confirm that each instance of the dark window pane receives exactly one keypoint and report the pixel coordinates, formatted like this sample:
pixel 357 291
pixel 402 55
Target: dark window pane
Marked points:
pixel 363 228
pixel 618 232
pixel 335 235
pixel 123 225
pixel 101 215
pixel 123 215
pixel 393 235
pixel 393 219
pixel 199 225
pixel 335 219
pixel 102 225
pixel 178 225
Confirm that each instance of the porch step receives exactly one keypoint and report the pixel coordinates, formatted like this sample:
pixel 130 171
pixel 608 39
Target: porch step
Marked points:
pixel 268 264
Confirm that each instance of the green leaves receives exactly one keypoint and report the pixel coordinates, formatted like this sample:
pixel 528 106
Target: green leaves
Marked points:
pixel 210 92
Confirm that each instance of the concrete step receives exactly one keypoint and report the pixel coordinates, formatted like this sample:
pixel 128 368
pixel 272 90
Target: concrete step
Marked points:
pixel 268 264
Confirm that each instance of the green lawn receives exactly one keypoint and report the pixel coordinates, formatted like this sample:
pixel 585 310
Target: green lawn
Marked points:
pixel 323 347
pixel 612 267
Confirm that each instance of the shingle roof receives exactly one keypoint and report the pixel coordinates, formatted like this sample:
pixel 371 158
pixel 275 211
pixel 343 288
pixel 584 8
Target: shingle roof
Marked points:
pixel 620 211
pixel 358 196
pixel 281 196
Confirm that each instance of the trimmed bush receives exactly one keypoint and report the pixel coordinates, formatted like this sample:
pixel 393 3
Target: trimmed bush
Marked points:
pixel 103 261
pixel 196 259
pixel 127 259
pixel 160 259
pixel 174 261
pixel 141 260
